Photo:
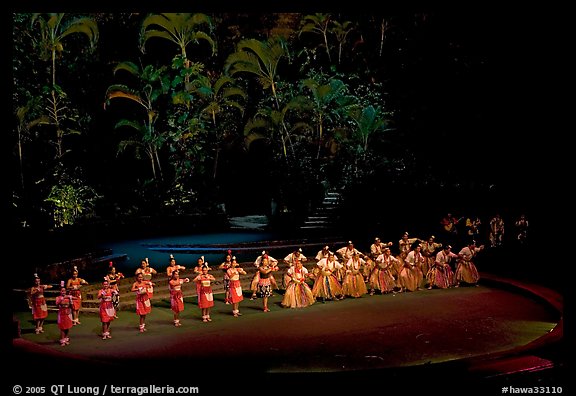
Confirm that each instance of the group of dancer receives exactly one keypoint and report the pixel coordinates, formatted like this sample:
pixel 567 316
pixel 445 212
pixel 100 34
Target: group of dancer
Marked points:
pixel 345 272
pixel 68 303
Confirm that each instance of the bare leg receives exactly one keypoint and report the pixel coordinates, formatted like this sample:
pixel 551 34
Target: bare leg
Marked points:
pixel 64 340
pixel 235 310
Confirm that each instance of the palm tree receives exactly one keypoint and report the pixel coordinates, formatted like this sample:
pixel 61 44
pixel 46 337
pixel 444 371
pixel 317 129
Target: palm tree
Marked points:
pixel 323 96
pixel 369 120
pixel 217 97
pixel 23 130
pixel 341 31
pixel 180 28
pixel 62 117
pixel 53 31
pixel 145 96
pixel 268 120
pixel 384 27
pixel 261 58
pixel 318 24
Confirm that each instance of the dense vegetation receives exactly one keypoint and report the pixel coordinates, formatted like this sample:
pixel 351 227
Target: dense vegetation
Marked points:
pixel 131 114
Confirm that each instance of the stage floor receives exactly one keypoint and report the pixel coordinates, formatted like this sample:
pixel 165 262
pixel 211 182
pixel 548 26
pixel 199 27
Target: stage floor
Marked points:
pixel 424 328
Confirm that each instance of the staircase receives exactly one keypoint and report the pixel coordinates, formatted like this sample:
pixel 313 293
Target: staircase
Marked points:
pixel 326 214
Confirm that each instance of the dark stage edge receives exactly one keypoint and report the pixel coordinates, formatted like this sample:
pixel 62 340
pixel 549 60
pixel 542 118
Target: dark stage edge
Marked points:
pixel 541 363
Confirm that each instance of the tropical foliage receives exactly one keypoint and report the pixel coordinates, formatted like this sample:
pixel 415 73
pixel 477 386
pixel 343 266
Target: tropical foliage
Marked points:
pixel 204 96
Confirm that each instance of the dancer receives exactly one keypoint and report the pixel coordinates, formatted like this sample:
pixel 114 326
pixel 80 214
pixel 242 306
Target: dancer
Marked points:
pixel 291 259
pixel 143 305
pixel 38 303
pixel 382 276
pixel 205 295
pixel 323 253
pixel 254 283
pixel 327 286
pixel 429 248
pixel 466 270
pixel 354 284
pixel 440 274
pixel 264 284
pixel 377 248
pixel 344 254
pixel 147 273
pixel 200 263
pixel 405 245
pixel 347 252
pixel 411 275
pixel 227 264
pixel 73 285
pixel 176 296
pixel 64 303
pixel 235 288
pixel 113 277
pixel 107 311
pixel 172 266
pixel 298 293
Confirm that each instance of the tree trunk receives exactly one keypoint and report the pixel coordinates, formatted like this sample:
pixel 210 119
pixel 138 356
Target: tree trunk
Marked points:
pixel 20 157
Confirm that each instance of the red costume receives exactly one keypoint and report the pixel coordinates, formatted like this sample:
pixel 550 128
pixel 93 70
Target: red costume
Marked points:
pixel 107 311
pixel 74 289
pixel 235 287
pixel 39 307
pixel 205 296
pixel 64 312
pixel 143 306
pixel 176 296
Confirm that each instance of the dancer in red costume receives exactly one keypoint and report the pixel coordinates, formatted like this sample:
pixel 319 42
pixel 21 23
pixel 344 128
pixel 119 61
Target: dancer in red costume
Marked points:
pixel 147 273
pixel 172 266
pixel 205 295
pixel 143 305
pixel 235 289
pixel 176 296
pixel 38 303
pixel 107 311
pixel 64 303
pixel 73 285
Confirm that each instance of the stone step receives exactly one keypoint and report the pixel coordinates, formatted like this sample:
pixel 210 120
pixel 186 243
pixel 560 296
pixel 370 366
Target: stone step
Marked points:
pixel 325 208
